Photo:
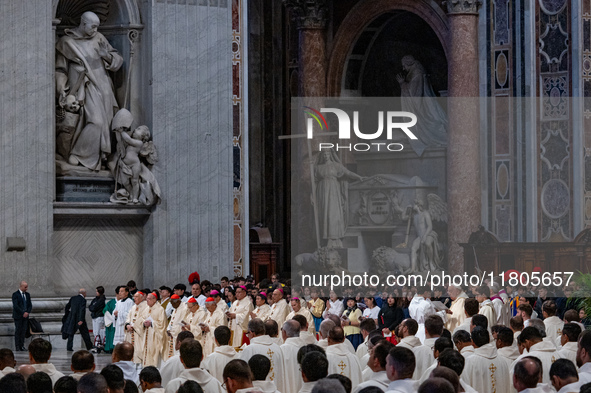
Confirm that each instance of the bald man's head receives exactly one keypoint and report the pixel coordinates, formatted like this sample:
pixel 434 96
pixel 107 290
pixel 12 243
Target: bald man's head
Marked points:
pixel 527 373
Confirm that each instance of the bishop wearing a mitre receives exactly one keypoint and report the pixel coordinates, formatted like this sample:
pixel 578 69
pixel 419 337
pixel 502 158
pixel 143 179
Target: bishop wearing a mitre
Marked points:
pixel 239 315
pixel 154 329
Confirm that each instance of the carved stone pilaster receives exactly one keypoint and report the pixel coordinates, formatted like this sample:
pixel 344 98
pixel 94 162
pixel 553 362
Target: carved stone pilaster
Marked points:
pixel 308 14
pixel 455 7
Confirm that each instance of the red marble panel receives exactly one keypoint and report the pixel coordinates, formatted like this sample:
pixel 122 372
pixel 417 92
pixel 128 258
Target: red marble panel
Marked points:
pixel 236 15
pixel 236 79
pixel 502 126
pixel 237 242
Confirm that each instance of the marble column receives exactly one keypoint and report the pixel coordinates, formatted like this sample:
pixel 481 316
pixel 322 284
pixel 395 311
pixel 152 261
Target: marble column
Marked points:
pixel 310 17
pixel 463 163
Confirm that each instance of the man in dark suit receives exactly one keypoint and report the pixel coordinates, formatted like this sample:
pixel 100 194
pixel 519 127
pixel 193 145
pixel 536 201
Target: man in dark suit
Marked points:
pixel 75 319
pixel 21 308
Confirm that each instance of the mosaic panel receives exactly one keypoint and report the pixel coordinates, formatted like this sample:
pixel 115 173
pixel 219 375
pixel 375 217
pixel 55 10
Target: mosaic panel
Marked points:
pixel 554 138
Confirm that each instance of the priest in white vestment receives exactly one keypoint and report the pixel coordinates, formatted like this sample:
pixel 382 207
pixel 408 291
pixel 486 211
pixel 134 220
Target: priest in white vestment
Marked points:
pixel 340 359
pixel 260 366
pixel 325 327
pixel 262 344
pixel 552 323
pixel 471 308
pixel 280 308
pixel 564 377
pixel 179 309
pixel 584 357
pixel 173 367
pixel 191 356
pixel 400 366
pixel 290 347
pixel 297 308
pixel 569 342
pixel 222 353
pixel 378 356
pixel 531 344
pixel 154 327
pixel 506 349
pixel 122 308
pixel 239 315
pixel 458 314
pixel 420 308
pixel 215 318
pixel 133 326
pixel 262 310
pixel 485 371
pixel 486 307
pixel 423 354
pixel 193 317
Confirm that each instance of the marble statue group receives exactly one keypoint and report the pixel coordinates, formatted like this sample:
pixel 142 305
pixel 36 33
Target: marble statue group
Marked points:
pixel 86 107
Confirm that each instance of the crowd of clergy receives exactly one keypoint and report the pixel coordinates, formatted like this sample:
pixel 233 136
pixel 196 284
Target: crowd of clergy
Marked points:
pixel 238 336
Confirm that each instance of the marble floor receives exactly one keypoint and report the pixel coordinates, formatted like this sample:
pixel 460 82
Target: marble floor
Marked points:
pixel 61 359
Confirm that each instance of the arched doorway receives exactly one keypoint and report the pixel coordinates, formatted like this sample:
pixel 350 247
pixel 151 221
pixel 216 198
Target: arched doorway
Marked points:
pixel 373 38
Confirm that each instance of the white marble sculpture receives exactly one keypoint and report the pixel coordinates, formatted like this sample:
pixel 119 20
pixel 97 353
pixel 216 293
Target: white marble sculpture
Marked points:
pixel 418 98
pixel 426 253
pixel 134 181
pixel 84 59
pixel 331 179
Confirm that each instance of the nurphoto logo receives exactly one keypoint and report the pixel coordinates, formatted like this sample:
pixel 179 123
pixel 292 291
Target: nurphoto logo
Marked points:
pixel 391 118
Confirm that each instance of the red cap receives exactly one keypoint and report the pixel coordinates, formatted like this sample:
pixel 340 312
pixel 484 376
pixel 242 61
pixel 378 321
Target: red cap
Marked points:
pixel 175 297
pixel 141 293
pixel 192 300
pixel 209 299
pixel 155 294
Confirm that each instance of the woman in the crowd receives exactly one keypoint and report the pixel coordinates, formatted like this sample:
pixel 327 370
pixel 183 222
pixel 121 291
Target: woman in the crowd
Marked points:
pixel 372 309
pixel 350 322
pixel 390 316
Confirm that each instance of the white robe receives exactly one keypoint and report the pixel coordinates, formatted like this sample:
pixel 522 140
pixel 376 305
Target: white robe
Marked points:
pixel 467 351
pixel 569 351
pixel 242 309
pixel 208 383
pixel 171 369
pixel 509 354
pixel 50 370
pixel 265 345
pixel 571 388
pixel 279 312
pixel 216 362
pixel 554 327
pixel 122 307
pixel 419 309
pixel 486 372
pixel 293 375
pixel 324 344
pixel 546 352
pixel 307 314
pixel 458 314
pixel 465 325
pixel 585 373
pixel 308 337
pixel 135 319
pixel 500 309
pixel 213 321
pixel 362 349
pixel 263 312
pixel 172 331
pixel 342 361
pixel 403 386
pixel 379 379
pixel 487 309
pixel 265 386
pixel 423 354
